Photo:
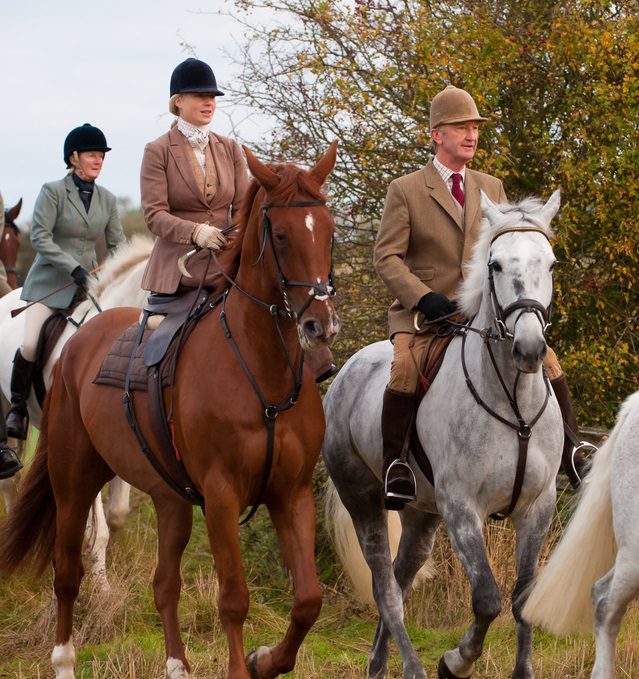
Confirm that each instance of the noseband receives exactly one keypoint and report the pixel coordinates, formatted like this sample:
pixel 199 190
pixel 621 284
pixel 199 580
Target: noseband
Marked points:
pixel 524 305
pixel 317 291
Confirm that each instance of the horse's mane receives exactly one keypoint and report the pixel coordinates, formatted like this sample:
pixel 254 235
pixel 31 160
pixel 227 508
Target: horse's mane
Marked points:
pixel 516 215
pixel 123 258
pixel 294 180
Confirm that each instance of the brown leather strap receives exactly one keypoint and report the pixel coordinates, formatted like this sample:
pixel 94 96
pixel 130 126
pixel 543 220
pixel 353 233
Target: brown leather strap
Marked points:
pixel 522 457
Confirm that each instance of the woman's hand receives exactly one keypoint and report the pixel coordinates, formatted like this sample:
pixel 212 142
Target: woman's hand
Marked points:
pixel 207 236
pixel 81 277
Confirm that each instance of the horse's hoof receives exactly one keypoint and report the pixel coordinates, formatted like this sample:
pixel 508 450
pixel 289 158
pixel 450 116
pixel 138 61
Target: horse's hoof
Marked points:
pixel 252 660
pixel 444 673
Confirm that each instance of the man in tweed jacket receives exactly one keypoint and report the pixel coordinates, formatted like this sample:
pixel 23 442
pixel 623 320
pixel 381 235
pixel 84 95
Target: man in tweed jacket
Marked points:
pixel 429 227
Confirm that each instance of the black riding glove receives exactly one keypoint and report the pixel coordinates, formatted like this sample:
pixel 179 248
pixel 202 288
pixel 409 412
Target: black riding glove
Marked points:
pixel 81 277
pixel 434 306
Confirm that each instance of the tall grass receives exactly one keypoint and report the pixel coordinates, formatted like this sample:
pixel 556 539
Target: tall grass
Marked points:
pixel 118 634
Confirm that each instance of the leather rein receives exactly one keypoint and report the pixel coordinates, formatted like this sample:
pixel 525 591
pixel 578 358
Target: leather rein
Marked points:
pixel 317 291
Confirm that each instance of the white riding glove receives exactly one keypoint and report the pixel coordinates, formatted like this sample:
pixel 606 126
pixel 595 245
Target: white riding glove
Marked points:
pixel 207 236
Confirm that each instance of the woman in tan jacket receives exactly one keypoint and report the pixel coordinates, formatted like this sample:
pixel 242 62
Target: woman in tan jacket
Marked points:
pixel 192 184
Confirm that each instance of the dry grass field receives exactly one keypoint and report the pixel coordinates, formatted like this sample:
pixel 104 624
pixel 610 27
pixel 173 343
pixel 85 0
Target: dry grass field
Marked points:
pixel 119 635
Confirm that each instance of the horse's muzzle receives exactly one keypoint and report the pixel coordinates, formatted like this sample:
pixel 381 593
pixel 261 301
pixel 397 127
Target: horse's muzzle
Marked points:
pixel 314 332
pixel 528 355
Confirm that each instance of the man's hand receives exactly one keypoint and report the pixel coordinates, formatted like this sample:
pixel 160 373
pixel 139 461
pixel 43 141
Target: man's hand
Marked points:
pixel 206 236
pixel 434 306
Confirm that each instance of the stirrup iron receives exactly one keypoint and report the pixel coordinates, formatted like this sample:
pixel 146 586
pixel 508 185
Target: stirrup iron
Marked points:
pixel 400 496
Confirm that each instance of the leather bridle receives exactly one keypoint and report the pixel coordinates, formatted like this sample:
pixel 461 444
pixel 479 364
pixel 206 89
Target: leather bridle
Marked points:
pixel 524 305
pixel 317 291
pixel 523 428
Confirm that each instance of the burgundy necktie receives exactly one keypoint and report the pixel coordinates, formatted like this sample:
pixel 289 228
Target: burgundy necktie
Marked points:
pixel 457 191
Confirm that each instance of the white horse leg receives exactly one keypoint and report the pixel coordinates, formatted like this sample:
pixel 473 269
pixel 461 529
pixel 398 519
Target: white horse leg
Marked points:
pixel 531 530
pixel 415 547
pixel 175 669
pixel 63 660
pixel 118 507
pixel 465 531
pixel 363 500
pixel 97 537
pixel 611 596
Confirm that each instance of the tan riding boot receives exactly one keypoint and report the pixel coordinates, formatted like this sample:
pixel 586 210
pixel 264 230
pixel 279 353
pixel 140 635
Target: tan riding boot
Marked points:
pixel 573 461
pixel 18 415
pixel 398 411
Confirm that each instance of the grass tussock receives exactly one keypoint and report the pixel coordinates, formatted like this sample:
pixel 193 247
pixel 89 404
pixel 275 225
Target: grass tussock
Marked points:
pixel 118 632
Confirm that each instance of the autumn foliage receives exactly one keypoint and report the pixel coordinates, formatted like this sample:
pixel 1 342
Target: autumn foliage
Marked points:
pixel 559 83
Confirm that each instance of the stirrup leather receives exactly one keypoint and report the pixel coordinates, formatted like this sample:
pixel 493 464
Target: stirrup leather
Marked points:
pixel 400 496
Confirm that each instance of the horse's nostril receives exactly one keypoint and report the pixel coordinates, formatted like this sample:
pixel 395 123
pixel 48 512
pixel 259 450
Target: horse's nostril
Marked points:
pixel 313 329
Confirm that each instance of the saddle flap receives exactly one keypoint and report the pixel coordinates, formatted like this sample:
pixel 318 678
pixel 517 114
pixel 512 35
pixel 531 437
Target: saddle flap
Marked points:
pixel 177 310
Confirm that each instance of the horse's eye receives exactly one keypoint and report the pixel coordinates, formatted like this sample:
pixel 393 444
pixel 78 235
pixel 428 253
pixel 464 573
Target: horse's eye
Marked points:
pixel 495 266
pixel 552 266
pixel 279 237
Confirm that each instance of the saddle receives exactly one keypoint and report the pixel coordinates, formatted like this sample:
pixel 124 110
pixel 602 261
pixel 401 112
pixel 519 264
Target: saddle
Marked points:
pixel 50 333
pixel 140 348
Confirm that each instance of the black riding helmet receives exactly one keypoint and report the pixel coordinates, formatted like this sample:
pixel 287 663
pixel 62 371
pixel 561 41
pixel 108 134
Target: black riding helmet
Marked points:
pixel 193 75
pixel 84 138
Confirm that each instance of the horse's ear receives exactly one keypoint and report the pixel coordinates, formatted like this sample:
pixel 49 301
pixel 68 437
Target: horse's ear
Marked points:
pixel 325 164
pixel 13 212
pixel 550 209
pixel 490 210
pixel 264 175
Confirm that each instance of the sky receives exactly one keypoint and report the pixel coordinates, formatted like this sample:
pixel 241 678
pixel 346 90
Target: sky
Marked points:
pixel 108 63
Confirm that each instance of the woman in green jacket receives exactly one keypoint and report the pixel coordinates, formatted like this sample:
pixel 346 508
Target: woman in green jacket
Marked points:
pixel 68 218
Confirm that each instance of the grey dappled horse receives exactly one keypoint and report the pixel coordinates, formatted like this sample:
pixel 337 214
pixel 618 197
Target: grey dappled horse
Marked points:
pixel 596 563
pixel 473 454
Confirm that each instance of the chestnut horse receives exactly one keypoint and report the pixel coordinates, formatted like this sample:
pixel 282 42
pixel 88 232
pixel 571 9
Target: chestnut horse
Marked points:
pixel 239 369
pixel 10 243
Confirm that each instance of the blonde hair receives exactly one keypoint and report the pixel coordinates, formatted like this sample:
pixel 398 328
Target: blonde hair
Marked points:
pixel 74 156
pixel 172 105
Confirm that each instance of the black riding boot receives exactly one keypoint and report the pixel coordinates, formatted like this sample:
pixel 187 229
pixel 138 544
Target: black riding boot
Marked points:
pixel 9 462
pixel 573 461
pixel 399 481
pixel 18 416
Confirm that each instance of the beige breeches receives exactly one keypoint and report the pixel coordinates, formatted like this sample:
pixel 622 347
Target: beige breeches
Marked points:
pixel 404 374
pixel 34 318
pixel 4 286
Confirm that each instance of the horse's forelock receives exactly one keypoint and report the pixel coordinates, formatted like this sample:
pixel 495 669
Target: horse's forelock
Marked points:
pixel 293 181
pixel 513 215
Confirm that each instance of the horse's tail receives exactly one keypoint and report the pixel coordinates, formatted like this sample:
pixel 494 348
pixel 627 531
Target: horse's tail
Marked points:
pixel 560 599
pixel 27 536
pixel 349 551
